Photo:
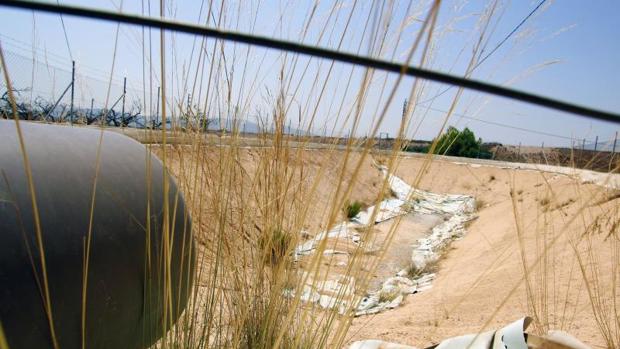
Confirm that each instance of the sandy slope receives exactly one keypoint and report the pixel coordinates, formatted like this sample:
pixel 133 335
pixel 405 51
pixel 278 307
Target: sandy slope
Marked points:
pixel 320 173
pixel 480 282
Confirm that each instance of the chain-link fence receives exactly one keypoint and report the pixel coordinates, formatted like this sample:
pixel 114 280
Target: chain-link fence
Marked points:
pixel 50 92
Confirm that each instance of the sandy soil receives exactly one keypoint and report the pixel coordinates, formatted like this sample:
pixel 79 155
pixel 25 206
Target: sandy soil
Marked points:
pixel 321 173
pixel 525 217
pixel 412 227
pixel 480 281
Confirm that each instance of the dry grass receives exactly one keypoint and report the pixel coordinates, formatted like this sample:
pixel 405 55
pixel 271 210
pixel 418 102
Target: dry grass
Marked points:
pixel 574 240
pixel 250 207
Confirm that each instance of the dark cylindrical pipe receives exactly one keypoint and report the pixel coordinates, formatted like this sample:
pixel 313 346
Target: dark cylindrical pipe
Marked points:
pixel 128 302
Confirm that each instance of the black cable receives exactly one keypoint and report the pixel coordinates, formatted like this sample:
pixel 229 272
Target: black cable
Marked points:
pixel 62 21
pixel 317 52
pixel 512 32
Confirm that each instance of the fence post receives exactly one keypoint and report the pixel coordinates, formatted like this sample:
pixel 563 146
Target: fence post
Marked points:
pixel 92 102
pixel 613 151
pixel 157 108
pixel 123 107
pixel 72 91
pixel 595 143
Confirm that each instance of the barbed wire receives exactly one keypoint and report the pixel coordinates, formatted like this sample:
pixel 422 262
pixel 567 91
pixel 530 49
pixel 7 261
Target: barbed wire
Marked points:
pixel 41 91
pixel 50 78
pixel 320 52
pixel 26 49
pixel 90 87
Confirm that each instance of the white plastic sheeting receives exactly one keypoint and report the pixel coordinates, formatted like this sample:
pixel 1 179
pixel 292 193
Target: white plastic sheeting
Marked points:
pixel 388 209
pixel 512 336
pixel 378 344
pixel 427 202
pixel 457 209
pixel 392 293
pixel 329 294
pixel 344 230
pixel 508 337
pixel 429 249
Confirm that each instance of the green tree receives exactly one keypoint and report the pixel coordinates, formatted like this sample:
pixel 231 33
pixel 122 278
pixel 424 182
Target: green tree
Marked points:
pixel 460 143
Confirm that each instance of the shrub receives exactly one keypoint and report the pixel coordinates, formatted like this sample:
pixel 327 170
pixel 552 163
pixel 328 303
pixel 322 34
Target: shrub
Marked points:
pixel 416 148
pixel 431 266
pixel 352 209
pixel 275 245
pixel 461 143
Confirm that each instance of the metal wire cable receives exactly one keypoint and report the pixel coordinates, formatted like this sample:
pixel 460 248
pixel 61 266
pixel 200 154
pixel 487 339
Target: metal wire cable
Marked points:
pixel 462 115
pixel 495 123
pixel 315 51
pixel 512 32
pixel 64 29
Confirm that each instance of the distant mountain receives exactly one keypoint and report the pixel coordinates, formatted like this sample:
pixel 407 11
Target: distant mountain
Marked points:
pixel 248 126
pixel 214 124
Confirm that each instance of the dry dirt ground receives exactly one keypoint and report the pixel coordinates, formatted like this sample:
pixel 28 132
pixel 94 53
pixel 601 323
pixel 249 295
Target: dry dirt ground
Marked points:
pixel 412 226
pixel 524 218
pixel 480 281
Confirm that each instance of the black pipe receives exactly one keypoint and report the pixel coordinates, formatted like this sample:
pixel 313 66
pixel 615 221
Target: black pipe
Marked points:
pixel 125 293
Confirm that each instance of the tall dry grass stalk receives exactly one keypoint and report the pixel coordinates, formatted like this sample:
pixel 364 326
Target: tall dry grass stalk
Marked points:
pixel 38 233
pixel 569 251
pixel 253 198
pixel 250 206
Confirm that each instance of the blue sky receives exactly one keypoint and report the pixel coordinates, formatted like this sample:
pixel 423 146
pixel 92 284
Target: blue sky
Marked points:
pixel 570 49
